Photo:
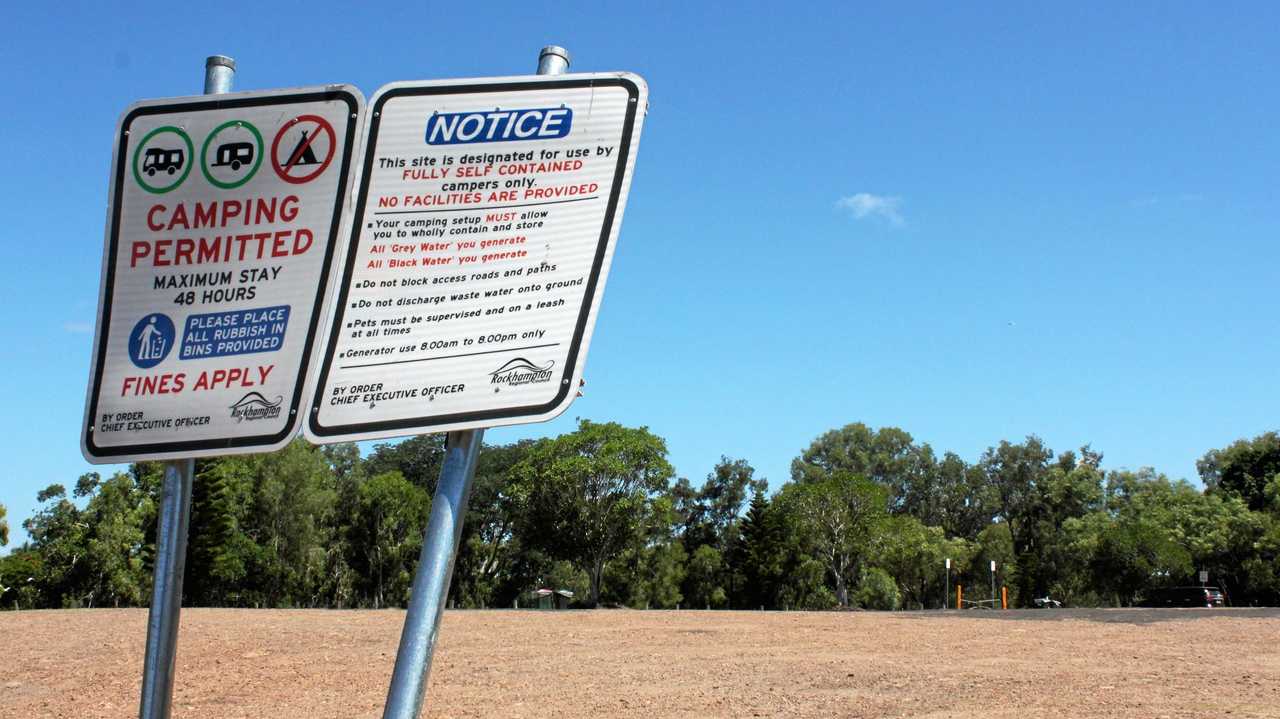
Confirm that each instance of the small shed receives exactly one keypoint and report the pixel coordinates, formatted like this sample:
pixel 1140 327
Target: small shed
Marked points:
pixel 553 598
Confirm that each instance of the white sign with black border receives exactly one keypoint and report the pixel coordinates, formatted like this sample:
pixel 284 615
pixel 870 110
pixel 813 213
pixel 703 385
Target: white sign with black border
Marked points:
pixel 222 225
pixel 485 225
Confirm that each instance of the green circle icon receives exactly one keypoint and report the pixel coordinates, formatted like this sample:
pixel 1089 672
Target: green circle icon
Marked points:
pixel 162 162
pixel 234 155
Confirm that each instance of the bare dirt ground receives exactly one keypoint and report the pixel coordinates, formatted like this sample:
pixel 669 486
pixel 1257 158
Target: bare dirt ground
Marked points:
pixel 243 663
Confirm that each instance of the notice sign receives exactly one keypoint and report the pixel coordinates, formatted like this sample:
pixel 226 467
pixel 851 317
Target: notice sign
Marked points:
pixel 484 228
pixel 221 230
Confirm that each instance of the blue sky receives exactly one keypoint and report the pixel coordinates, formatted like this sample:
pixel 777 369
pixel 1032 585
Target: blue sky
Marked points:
pixel 973 223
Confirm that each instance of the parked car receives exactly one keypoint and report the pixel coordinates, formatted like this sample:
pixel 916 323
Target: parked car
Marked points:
pixel 1185 597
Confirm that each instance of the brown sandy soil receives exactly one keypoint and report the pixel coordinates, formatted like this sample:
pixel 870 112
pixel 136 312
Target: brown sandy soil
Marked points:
pixel 246 663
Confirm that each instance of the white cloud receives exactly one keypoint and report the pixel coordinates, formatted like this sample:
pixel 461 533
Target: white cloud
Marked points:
pixel 78 328
pixel 864 204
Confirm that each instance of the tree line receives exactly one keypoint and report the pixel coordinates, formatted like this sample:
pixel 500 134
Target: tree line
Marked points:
pixel 867 519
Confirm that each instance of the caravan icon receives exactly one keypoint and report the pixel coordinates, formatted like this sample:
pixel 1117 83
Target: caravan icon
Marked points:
pixel 235 154
pixel 158 159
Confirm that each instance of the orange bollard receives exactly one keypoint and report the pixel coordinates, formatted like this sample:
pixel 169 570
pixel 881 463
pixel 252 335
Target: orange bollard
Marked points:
pixel 959 597
pixel 1004 597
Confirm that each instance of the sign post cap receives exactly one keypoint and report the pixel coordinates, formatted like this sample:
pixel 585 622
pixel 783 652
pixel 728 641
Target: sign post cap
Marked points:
pixel 555 50
pixel 219 60
pixel 553 60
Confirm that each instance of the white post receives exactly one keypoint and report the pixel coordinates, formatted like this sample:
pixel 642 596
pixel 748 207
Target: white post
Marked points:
pixel 993 584
pixel 946 586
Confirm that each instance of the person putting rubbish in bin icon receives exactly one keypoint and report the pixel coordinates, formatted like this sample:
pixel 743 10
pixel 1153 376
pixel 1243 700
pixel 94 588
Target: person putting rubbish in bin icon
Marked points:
pixel 150 341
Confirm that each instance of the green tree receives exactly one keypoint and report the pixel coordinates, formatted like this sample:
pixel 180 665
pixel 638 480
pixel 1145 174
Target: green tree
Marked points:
pixel 1244 469
pixel 945 493
pixel 710 515
pixel 585 495
pixel 647 576
pixel 877 590
pixel 1216 529
pixel 116 514
pixel 1126 553
pixel 1260 572
pixel 1036 497
pixel 1070 489
pixel 392 518
pixel 61 537
pixel 341 578
pixel 887 456
pixel 915 556
pixel 960 500
pixel 837 517
pixel 993 544
pixel 20 571
pixel 95 555
pixel 418 459
pixel 1015 471
pixel 214 566
pixel 287 526
pixel 758 557
pixel 4 527
pixel 703 578
pixel 805 586
pixel 487 572
pixel 664 571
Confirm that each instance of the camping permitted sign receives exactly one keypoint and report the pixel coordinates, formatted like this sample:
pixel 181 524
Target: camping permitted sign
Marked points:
pixel 485 224
pixel 221 229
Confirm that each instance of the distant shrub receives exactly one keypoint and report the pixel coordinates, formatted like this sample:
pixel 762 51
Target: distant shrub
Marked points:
pixel 877 590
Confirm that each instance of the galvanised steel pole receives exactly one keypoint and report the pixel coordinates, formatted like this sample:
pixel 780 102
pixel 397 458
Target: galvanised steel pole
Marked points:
pixel 431 580
pixel 166 590
pixel 171 530
pixel 440 547
pixel 219 71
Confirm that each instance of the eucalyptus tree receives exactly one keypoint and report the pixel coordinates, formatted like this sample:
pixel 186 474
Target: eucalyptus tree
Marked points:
pixel 838 517
pixel 585 495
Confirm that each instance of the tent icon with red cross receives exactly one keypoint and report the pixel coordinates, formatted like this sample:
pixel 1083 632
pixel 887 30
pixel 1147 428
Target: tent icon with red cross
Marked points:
pixel 303 148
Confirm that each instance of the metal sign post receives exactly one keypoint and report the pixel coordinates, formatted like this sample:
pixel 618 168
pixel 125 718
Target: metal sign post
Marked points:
pixel 440 546
pixel 210 300
pixel 166 591
pixel 171 530
pixel 431 580
pixel 946 591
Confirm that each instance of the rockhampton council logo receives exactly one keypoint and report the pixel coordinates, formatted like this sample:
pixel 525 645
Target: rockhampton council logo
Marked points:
pixel 521 371
pixel 254 406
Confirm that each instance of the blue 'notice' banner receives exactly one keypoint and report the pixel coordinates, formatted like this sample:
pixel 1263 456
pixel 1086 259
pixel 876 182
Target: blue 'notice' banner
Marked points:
pixel 498 125
pixel 238 332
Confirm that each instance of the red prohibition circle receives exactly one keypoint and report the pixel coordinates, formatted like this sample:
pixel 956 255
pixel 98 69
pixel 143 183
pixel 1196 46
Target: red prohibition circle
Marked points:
pixel 300 152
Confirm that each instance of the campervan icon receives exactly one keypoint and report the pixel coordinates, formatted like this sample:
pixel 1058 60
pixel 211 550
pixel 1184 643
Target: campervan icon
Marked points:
pixel 234 154
pixel 158 159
